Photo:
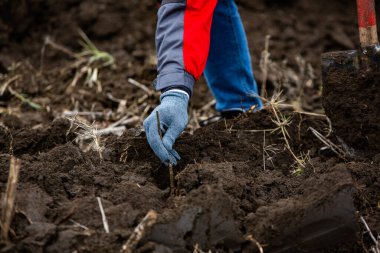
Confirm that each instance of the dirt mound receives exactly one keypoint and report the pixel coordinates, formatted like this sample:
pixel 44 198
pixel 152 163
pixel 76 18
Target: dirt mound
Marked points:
pixel 220 197
pixel 352 99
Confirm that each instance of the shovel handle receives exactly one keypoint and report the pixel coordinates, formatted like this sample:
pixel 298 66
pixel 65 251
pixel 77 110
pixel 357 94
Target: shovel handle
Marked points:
pixel 367 22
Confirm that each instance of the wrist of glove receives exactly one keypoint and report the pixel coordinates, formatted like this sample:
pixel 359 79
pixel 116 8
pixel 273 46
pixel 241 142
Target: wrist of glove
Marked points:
pixel 173 118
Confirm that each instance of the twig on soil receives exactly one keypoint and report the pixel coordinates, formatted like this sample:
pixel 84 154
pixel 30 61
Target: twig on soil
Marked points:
pixel 104 218
pixel 49 42
pixel 251 131
pixel 9 198
pixel 140 86
pixel 250 238
pixel 336 149
pixel 79 225
pixel 140 231
pixel 111 130
pixel 376 248
pixel 264 66
pixel 24 100
pixel 126 120
pixel 145 112
pixel 264 145
pixel 208 105
pixel 7 83
pixel 93 115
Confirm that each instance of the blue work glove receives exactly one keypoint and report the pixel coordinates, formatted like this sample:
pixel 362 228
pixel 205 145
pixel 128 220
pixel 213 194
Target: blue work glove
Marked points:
pixel 173 120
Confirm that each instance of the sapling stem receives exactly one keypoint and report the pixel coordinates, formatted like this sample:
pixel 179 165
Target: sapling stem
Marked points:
pixel 159 124
pixel 171 172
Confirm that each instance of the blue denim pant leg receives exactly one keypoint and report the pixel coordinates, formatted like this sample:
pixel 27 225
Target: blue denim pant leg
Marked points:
pixel 229 70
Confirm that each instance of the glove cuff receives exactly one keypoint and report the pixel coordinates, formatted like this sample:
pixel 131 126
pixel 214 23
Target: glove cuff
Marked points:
pixel 176 93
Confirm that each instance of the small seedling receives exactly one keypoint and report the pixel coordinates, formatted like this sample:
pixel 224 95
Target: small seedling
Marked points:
pixel 171 172
pixel 92 53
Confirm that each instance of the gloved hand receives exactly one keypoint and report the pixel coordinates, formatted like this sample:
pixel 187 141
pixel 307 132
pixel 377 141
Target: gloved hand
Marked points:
pixel 173 120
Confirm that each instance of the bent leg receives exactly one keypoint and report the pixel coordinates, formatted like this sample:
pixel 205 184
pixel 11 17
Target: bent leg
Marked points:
pixel 229 71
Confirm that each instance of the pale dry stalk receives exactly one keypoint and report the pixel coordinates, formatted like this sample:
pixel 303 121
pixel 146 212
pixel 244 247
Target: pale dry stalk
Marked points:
pixel 376 247
pixel 140 231
pixel 140 86
pixel 264 145
pixel 5 85
pixel 336 149
pixel 104 217
pixel 258 245
pixel 9 198
pixel 264 66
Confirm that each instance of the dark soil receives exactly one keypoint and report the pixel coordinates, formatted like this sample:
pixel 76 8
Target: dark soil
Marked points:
pixel 352 98
pixel 226 187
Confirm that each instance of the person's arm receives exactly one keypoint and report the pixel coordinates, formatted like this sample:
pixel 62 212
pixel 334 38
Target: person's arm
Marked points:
pixel 182 42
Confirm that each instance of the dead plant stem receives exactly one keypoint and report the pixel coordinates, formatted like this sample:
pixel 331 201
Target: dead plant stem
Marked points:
pixel 139 232
pixel 264 66
pixel 104 217
pixel 9 198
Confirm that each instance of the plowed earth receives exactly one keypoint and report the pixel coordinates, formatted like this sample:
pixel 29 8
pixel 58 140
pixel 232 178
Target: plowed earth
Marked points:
pixel 236 177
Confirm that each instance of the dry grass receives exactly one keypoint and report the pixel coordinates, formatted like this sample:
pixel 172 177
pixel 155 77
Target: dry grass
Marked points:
pixel 86 132
pixel 283 122
pixel 376 247
pixel 335 148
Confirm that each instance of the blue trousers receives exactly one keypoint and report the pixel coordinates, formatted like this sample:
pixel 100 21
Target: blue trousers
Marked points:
pixel 228 70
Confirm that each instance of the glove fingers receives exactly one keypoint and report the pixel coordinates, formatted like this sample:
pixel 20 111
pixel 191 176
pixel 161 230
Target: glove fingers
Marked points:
pixel 169 138
pixel 175 154
pixel 155 142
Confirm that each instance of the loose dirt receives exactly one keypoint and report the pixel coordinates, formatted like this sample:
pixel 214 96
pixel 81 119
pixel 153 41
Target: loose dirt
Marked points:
pixel 236 177
pixel 352 100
